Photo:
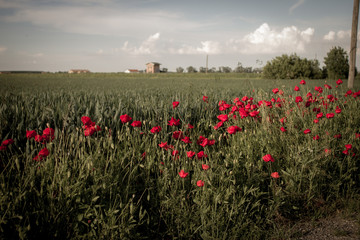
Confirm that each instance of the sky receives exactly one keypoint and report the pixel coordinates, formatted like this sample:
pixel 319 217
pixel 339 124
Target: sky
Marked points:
pixel 115 35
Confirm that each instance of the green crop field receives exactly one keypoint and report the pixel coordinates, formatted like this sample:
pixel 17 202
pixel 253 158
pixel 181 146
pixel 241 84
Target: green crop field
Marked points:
pixel 173 156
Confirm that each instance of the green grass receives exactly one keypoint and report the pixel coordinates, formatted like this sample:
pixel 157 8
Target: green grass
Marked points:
pixel 102 187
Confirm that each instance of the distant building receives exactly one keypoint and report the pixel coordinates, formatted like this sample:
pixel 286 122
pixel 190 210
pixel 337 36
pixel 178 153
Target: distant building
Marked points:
pixel 78 71
pixel 131 71
pixel 152 67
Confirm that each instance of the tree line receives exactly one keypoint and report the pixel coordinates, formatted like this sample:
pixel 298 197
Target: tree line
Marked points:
pixel 336 65
pixel 222 69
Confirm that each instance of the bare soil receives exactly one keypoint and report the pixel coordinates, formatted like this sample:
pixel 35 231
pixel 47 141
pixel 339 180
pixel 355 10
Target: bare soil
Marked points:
pixel 338 226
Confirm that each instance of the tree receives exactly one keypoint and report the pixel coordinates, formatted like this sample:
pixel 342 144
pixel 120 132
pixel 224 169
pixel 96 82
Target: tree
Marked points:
pixel 179 70
pixel 202 69
pixel 225 69
pixel 191 69
pixel 292 67
pixel 337 63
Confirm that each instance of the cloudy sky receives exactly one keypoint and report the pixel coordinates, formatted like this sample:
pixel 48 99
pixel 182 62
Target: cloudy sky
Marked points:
pixel 114 35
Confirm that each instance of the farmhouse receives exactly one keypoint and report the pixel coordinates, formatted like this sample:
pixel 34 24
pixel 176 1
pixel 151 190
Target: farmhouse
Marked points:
pixel 132 71
pixel 153 67
pixel 78 71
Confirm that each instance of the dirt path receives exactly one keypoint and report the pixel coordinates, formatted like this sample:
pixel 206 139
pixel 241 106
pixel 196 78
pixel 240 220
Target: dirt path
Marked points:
pixel 336 227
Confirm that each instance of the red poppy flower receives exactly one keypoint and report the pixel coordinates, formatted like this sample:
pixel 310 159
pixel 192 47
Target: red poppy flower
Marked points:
pixel 39 138
pixel 302 82
pixel 298 99
pixel 155 129
pixel 348 146
pixel 306 131
pixel 224 106
pixel 183 174
pixel 275 175
pixel 201 155
pixel 243 113
pixel 205 167
pixel 43 153
pixel 319 115
pixel 205 99
pixel 337 136
pixel 178 135
pixel 283 129
pixel 254 113
pixel 327 86
pixel 200 183
pixel 244 99
pixel 357 135
pixel 30 134
pixel 338 110
pixel 268 158
pixel 49 132
pixel 316 120
pixel 218 125
pixel 175 104
pixel 327 151
pixel 2 148
pixel 349 92
pixel 203 142
pixel 190 154
pixel 7 142
pixel 233 129
pixel 89 131
pixel 190 126
pixel 211 142
pixel 174 122
pixel 296 88
pixel 275 90
pixel 175 153
pixel 282 120
pixel 125 118
pixel 330 115
pixel 339 81
pixel 346 152
pixel 163 145
pixel 223 117
pixel 136 124
pixel 86 120
pixel 317 137
pixel 186 140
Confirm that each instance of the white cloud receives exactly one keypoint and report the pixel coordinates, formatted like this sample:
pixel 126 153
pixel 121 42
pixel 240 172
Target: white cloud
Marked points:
pixel 207 47
pixel 146 47
pixel 330 36
pixel 343 34
pixel 340 35
pixel 267 40
pixel 296 5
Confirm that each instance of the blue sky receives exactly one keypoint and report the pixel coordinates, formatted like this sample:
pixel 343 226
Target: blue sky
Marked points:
pixel 114 35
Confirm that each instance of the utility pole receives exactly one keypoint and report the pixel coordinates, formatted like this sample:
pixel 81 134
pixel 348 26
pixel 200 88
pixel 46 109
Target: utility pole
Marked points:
pixel 207 60
pixel 354 28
